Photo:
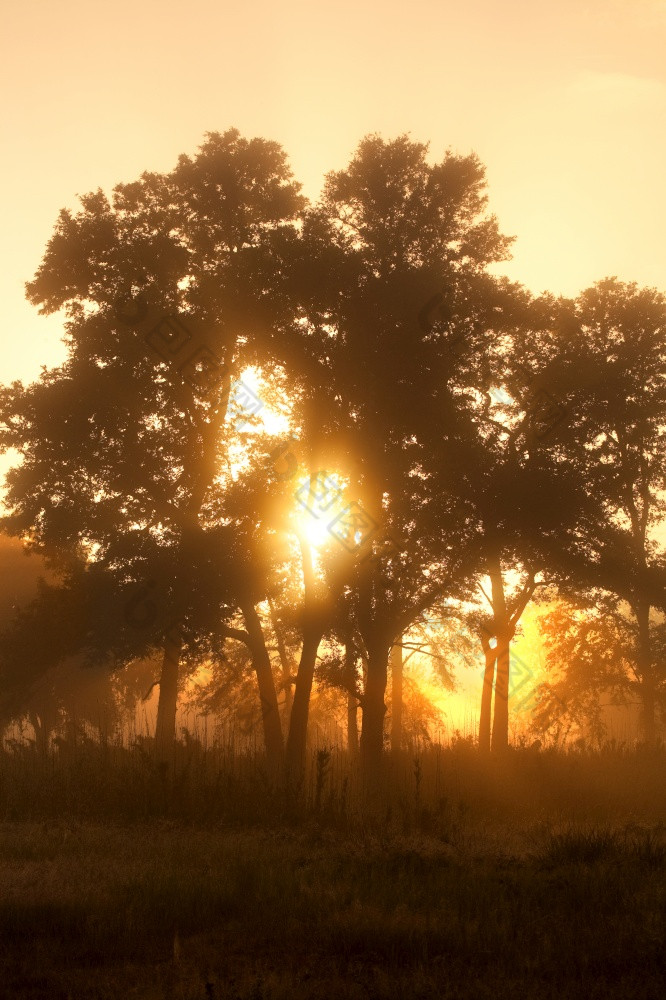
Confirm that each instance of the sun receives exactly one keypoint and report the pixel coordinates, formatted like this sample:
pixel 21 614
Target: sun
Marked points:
pixel 319 500
pixel 315 530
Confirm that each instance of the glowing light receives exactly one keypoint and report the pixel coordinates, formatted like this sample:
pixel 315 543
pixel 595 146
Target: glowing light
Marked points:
pixel 315 530
pixel 319 500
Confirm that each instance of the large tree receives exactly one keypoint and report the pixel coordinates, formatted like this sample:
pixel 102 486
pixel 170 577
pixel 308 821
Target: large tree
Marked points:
pixel 169 289
pixel 393 332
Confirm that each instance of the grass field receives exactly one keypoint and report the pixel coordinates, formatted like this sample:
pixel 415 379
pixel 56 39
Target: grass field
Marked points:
pixel 540 876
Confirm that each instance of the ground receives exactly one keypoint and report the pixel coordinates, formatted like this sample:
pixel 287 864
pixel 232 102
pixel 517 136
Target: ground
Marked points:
pixel 460 904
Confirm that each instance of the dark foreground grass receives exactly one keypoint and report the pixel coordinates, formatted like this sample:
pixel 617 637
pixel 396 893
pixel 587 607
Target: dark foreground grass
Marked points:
pixel 535 874
pixel 475 910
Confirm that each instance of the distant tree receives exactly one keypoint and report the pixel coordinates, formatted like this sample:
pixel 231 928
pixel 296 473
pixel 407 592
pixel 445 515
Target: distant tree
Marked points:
pixel 396 662
pixel 591 653
pixel 19 578
pixel 46 677
pixel 514 487
pixel 612 377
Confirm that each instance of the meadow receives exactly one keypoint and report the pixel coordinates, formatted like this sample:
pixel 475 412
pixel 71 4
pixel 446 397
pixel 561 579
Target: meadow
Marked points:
pixel 537 873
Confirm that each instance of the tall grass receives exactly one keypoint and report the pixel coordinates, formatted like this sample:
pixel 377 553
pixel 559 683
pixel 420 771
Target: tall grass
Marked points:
pixel 89 778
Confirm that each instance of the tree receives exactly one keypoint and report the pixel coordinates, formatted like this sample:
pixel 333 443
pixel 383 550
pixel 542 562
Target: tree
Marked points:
pixel 45 673
pixel 122 445
pixel 380 384
pixel 612 376
pixel 525 496
pixel 397 678
pixel 591 652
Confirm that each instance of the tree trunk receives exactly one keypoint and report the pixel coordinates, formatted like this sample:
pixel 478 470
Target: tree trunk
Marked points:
pixel 396 701
pixel 43 730
pixel 285 663
pixel 648 704
pixel 490 655
pixel 270 713
pixel 500 737
pixel 352 725
pixel 374 709
pixel 352 700
pixel 298 724
pixel 288 700
pixel 500 740
pixel 165 727
pixel 645 670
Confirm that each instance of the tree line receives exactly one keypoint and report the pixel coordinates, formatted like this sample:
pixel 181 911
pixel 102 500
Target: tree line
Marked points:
pixel 467 437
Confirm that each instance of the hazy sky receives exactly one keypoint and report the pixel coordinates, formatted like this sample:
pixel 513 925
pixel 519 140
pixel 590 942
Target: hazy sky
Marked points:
pixel 563 101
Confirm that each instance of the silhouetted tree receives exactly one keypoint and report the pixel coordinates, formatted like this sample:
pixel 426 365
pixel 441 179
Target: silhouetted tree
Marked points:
pixel 612 377
pixel 382 382
pixel 123 444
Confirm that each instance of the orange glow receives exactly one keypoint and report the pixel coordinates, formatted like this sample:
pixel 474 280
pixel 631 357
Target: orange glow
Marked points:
pixel 561 102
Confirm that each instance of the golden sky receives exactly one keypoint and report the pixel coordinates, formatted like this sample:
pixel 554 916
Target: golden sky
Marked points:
pixel 564 101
